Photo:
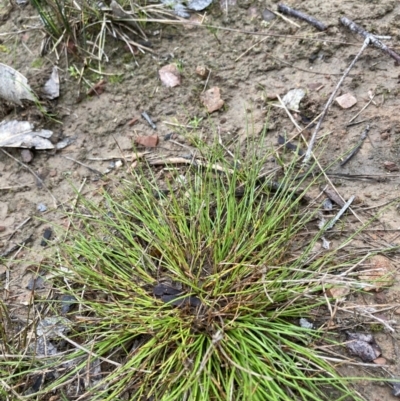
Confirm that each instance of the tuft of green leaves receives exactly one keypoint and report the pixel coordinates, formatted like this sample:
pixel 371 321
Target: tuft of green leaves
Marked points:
pixel 225 238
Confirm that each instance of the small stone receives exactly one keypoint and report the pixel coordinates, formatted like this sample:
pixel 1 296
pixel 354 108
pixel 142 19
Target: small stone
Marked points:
pixel 170 76
pixel 212 99
pixel 26 155
pixel 346 101
pixel 53 173
pixel 338 292
pixel 380 361
pixel 150 141
pixel 2 228
pixel 390 166
pixel 268 15
pixel 385 135
pixel 380 273
pixel 41 207
pixel 202 71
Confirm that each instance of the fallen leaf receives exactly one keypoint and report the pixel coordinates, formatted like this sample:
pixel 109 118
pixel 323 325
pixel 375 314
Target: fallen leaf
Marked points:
pixel 170 75
pixel 212 99
pixel 390 166
pixel 380 273
pixel 363 346
pixel 346 101
pixel 20 134
pixel 14 86
pixel 150 141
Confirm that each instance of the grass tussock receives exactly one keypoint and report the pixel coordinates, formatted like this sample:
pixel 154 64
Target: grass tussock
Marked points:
pixel 81 29
pixel 191 289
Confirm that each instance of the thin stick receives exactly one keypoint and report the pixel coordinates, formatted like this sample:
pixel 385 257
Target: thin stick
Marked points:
pixel 34 174
pixel 330 100
pixel 251 47
pixel 84 165
pixel 339 215
pixel 357 148
pixel 208 78
pixel 353 118
pixel 287 19
pixel 15 187
pixel 305 17
pixel 371 38
pixel 74 206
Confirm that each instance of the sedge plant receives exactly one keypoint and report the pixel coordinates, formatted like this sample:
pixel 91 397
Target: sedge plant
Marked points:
pixel 192 288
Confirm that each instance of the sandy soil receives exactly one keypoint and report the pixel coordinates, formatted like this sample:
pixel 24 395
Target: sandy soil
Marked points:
pixel 250 71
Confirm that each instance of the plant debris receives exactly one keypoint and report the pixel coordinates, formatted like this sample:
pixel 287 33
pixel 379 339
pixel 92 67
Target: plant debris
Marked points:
pixel 21 134
pixel 14 86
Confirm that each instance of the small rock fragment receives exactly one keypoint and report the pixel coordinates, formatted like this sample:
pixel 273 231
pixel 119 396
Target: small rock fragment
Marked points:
pixel 2 228
pixel 150 141
pixel 363 346
pixel 293 98
pixel 26 155
pixel 268 15
pixel 380 273
pixel 46 236
pixel 212 99
pixel 380 361
pixel 170 75
pixel 346 101
pixel 390 166
pixel 202 71
pixel 41 207
pixel 338 292
pixel 36 283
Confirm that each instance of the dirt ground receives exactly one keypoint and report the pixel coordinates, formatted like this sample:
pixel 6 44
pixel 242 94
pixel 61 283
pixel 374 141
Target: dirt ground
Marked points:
pixel 250 70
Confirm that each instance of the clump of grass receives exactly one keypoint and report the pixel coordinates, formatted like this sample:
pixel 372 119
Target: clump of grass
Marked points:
pixel 82 28
pixel 226 241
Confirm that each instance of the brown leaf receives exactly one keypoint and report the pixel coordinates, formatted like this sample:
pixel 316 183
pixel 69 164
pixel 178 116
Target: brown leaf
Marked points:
pixel 346 101
pixel 150 141
pixel 170 75
pixel 390 166
pixel 212 99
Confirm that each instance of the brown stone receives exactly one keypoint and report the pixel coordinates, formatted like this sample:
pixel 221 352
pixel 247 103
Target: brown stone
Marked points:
pixel 150 141
pixel 212 99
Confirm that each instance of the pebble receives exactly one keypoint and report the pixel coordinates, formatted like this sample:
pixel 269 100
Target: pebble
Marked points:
pixel 26 155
